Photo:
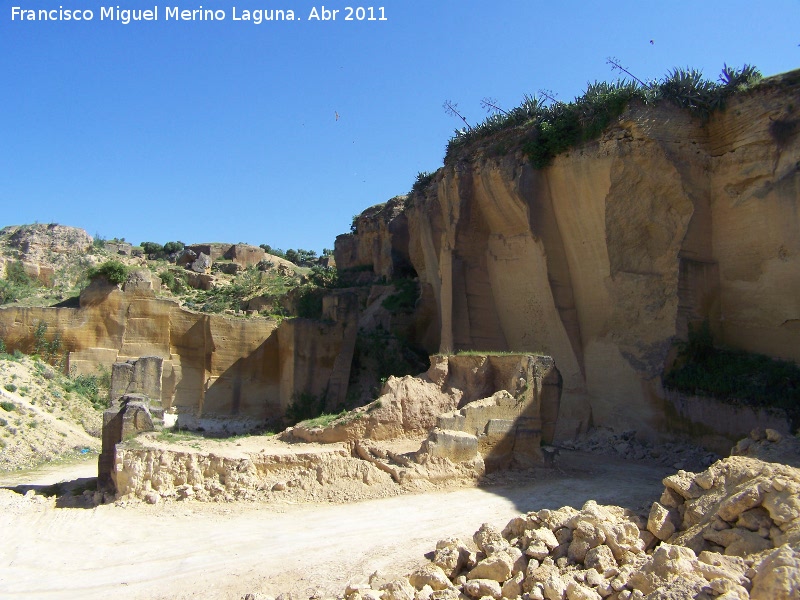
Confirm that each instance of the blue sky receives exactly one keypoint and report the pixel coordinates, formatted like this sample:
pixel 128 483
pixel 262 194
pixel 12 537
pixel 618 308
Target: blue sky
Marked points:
pixel 227 130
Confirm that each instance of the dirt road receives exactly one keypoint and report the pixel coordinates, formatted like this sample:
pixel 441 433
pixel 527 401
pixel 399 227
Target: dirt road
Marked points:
pixel 196 550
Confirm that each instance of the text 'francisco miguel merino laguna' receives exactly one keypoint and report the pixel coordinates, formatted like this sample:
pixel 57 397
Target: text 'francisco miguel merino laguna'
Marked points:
pixel 176 13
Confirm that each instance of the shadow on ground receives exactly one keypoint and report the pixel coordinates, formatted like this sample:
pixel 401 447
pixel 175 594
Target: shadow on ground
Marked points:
pixel 68 494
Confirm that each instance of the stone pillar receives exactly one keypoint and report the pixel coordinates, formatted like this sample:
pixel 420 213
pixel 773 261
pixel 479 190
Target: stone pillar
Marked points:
pixel 140 376
pixel 130 417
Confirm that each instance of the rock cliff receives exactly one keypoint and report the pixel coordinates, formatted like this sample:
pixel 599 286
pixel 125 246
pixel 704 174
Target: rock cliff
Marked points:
pixel 604 258
pixel 218 372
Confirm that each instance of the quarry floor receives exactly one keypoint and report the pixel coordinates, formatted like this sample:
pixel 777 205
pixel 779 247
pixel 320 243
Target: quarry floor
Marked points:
pixel 209 550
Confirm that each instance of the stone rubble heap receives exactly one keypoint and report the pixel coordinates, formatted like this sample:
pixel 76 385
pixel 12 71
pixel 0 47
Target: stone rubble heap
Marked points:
pixel 731 532
pixel 677 455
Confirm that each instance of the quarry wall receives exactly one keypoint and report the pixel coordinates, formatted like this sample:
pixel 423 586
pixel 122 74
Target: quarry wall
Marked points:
pixel 604 258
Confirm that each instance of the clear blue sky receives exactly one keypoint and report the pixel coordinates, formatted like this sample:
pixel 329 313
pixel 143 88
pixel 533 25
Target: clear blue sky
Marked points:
pixel 226 130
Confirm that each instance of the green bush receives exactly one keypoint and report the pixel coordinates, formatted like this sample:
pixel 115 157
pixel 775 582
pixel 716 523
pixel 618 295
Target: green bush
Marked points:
pixel 560 126
pixel 10 387
pixel 405 297
pixel 309 302
pixel 734 375
pixel 421 182
pixel 304 406
pixel 156 251
pixel 173 247
pixel 113 271
pixel 324 277
pixel 152 248
pixel 92 387
pixel 175 281
pixel 17 285
pixel 9 406
pixel 49 350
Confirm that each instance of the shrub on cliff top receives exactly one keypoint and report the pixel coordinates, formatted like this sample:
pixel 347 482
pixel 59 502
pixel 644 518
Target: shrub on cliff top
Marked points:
pixel 559 126
pixel 113 271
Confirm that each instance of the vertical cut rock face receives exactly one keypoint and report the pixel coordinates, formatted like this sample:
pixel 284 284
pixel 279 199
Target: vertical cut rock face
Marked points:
pixel 216 372
pixel 606 256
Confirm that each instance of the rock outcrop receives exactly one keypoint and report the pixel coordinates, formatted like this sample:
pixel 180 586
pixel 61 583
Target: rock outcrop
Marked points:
pixel 44 251
pixel 412 406
pixel 218 372
pixel 602 259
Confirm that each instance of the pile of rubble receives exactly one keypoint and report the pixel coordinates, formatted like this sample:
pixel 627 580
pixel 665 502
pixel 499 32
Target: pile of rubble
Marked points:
pixel 729 532
pixel 625 445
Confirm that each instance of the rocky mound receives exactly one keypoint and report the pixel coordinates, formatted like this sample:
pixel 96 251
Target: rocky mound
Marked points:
pixel 730 532
pixel 676 454
pixel 771 446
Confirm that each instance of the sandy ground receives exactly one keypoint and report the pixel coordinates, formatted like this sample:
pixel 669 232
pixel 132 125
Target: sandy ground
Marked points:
pixel 197 550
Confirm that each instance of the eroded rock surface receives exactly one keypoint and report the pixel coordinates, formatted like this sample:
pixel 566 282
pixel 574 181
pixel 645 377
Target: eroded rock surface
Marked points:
pixel 603 258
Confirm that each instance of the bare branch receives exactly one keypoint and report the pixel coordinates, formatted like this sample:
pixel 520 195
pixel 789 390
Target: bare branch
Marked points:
pixel 490 104
pixel 617 66
pixel 451 108
pixel 549 95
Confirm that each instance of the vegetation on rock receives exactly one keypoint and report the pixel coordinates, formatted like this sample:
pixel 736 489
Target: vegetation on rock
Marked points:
pixel 553 128
pixel 734 375
pixel 113 271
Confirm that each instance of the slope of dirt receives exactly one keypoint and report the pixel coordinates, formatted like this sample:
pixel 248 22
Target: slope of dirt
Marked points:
pixel 198 550
pixel 42 417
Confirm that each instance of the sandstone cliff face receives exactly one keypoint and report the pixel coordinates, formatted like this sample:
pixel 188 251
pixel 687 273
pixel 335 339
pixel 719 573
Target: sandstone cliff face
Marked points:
pixel 602 259
pixel 380 241
pixel 218 372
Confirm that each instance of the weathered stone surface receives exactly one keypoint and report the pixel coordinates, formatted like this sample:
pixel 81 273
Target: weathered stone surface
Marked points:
pixel 126 419
pixel 738 541
pixel 489 540
pixel 566 259
pixel 498 567
pixel 513 587
pixel 554 587
pixel 478 588
pixel 456 446
pixel 576 591
pixel 451 555
pixel 202 264
pixel 600 558
pixel 659 523
pixel 505 427
pixel 431 575
pixel 777 576
pixel 137 376
pixel 397 589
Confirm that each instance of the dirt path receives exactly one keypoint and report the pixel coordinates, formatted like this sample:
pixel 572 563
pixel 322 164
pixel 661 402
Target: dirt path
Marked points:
pixel 197 550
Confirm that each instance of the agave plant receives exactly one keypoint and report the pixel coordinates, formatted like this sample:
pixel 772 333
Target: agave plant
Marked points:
pixel 732 77
pixel 689 89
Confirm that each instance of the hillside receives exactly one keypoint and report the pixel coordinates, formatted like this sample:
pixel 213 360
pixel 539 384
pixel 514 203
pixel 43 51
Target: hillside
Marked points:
pixel 48 265
pixel 44 415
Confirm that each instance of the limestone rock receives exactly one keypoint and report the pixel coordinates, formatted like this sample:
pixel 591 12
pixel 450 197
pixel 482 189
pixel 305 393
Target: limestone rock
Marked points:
pixel 513 587
pixel 478 588
pixel 576 591
pixel 430 575
pixel 202 264
pixel 778 575
pixel 397 589
pixel 498 566
pixel 659 523
pixel 554 587
pixel 489 540
pixel 600 558
pixel 451 555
